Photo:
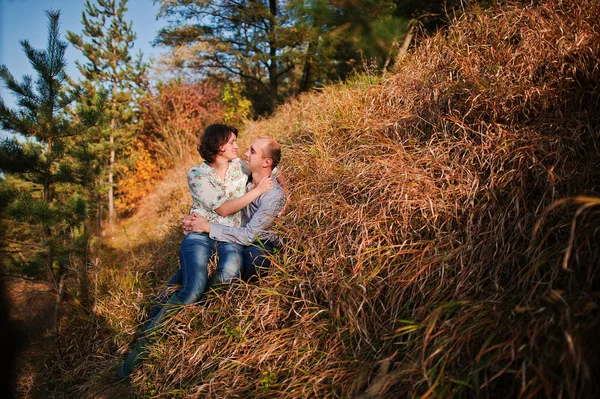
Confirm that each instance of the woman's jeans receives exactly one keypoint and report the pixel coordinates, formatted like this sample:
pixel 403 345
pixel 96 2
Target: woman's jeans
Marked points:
pixel 194 255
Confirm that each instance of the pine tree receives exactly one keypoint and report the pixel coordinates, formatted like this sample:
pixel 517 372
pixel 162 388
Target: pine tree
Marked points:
pixel 111 68
pixel 45 161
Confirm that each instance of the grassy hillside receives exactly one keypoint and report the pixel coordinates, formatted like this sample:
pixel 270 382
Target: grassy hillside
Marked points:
pixel 441 237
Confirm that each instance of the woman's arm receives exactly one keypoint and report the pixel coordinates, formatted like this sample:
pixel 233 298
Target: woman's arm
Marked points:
pixel 230 207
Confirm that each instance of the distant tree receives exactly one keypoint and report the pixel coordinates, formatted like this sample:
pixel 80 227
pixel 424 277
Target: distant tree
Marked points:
pixel 237 107
pixel 344 36
pixel 110 67
pixel 278 48
pixel 432 14
pixel 255 42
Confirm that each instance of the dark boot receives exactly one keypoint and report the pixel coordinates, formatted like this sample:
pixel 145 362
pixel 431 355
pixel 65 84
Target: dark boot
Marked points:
pixel 134 359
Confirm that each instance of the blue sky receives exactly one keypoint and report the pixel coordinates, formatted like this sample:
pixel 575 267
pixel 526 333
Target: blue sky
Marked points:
pixel 26 19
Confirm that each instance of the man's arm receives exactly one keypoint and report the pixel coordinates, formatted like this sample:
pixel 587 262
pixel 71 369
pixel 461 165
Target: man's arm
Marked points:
pixel 257 228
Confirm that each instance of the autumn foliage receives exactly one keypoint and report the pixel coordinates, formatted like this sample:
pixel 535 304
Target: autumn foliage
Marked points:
pixel 139 177
pixel 175 114
pixel 171 119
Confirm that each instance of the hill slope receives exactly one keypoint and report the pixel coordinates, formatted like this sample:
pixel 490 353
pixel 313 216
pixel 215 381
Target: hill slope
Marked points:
pixel 413 263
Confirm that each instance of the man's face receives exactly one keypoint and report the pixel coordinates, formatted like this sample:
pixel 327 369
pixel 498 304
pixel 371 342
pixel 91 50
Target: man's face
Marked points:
pixel 254 156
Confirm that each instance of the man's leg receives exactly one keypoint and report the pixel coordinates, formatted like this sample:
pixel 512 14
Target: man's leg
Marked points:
pixel 256 261
pixel 194 254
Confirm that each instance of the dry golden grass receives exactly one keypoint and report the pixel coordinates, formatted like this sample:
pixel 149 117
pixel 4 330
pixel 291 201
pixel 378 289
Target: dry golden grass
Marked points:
pixel 423 257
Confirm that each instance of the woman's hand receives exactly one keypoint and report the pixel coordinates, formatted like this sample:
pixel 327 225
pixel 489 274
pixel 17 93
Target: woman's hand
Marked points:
pixel 195 223
pixel 187 223
pixel 264 185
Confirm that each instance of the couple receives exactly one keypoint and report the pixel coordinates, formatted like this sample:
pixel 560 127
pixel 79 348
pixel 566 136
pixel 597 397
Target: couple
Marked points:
pixel 234 206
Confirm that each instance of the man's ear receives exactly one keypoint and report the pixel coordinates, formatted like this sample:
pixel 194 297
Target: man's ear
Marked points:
pixel 267 162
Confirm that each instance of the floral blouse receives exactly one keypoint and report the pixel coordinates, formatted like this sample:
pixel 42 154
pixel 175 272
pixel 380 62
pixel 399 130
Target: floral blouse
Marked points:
pixel 209 192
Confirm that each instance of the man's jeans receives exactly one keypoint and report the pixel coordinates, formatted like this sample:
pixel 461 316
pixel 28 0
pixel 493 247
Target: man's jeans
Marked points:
pixel 256 261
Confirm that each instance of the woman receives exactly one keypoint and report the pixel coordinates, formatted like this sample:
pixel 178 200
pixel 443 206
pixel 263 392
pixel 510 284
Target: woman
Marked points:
pixel 218 188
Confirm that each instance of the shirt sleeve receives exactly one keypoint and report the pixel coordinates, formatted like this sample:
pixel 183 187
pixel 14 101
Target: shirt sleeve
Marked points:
pixel 204 191
pixel 257 228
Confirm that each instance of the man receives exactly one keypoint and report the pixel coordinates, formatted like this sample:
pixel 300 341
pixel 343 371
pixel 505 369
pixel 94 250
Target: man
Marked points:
pixel 257 217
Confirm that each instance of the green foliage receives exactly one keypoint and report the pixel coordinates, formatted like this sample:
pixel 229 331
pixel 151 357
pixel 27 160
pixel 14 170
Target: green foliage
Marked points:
pixel 17 157
pixel 110 64
pixel 237 107
pixel 256 42
pixel 268 378
pixel 110 71
pixel 25 208
pixel 48 168
pixel 277 49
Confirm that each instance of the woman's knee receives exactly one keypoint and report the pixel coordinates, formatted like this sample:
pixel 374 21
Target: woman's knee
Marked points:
pixel 193 241
pixel 230 258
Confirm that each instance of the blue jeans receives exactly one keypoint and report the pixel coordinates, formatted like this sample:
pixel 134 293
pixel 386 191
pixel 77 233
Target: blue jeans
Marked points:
pixel 194 255
pixel 256 261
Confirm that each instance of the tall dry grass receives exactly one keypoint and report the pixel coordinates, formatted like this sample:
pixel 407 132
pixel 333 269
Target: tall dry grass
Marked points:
pixel 424 256
pixel 415 201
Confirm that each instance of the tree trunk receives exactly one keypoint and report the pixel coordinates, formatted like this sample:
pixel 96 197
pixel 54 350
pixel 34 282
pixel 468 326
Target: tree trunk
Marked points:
pixel 99 208
pixel 407 40
pixel 111 165
pixel 306 80
pixel 56 323
pixel 273 57
pixel 47 233
pixel 46 189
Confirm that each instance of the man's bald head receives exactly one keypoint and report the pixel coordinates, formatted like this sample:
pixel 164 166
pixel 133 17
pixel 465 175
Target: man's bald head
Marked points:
pixel 270 149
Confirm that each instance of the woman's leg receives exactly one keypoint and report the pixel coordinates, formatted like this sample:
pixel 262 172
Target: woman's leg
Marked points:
pixel 194 254
pixel 164 296
pixel 230 258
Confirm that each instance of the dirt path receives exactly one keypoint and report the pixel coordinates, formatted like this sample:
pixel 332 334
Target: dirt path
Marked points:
pixel 31 309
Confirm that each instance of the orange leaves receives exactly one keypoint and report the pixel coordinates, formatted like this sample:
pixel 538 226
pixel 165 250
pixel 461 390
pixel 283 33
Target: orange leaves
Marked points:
pixel 176 114
pixel 138 177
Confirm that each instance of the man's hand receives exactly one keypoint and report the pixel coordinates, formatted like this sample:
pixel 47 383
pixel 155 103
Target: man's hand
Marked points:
pixel 195 223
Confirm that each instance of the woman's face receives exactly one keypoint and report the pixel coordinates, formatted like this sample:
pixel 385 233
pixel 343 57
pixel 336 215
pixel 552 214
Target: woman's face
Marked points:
pixel 229 150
